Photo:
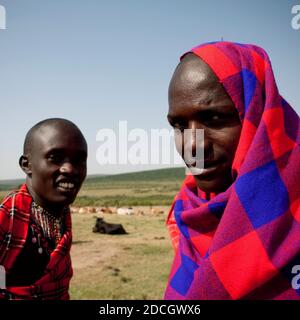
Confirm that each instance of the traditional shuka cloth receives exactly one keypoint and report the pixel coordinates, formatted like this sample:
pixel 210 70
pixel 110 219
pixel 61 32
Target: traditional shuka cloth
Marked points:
pixel 34 249
pixel 244 242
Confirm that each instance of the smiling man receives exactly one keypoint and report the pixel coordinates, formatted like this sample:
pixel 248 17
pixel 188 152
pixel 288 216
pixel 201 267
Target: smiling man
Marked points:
pixel 235 222
pixel 35 222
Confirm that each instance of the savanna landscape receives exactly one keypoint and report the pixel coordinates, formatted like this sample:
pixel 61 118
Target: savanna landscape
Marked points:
pixel 135 265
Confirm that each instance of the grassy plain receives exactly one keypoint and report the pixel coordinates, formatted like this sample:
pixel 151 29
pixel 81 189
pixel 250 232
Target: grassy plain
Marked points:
pixel 132 266
pixel 146 188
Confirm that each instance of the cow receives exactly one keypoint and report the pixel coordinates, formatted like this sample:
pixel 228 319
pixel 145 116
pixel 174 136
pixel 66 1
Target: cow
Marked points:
pixel 156 211
pixel 104 210
pixel 83 210
pixel 102 226
pixel 125 211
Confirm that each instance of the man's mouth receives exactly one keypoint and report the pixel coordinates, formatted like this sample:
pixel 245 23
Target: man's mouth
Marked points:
pixel 67 186
pixel 209 168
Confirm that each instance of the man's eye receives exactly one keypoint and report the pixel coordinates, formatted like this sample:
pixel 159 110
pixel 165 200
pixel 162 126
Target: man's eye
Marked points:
pixel 79 160
pixel 217 116
pixel 216 119
pixel 55 158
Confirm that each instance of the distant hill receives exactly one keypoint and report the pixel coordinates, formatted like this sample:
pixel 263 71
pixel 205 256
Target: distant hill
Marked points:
pixel 10 184
pixel 158 175
pixel 152 187
pixel 172 174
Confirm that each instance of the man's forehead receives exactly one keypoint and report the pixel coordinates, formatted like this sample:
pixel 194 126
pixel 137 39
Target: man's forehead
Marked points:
pixel 58 136
pixel 194 71
pixel 59 126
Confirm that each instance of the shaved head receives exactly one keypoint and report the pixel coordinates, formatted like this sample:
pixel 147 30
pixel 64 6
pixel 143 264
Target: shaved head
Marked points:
pixel 37 128
pixel 193 71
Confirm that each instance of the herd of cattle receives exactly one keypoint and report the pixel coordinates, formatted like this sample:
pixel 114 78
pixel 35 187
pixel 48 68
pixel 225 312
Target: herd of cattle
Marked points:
pixel 124 211
pixel 101 226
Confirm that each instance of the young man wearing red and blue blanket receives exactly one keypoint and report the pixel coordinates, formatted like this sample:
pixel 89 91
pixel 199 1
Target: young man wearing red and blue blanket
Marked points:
pixel 35 221
pixel 235 223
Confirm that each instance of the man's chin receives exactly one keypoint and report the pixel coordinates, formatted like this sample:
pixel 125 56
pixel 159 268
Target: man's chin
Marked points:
pixel 66 196
pixel 61 202
pixel 206 187
pixel 68 201
pixel 211 186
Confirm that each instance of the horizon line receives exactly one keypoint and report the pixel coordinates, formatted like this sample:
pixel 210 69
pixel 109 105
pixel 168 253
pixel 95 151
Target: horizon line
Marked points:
pixel 3 181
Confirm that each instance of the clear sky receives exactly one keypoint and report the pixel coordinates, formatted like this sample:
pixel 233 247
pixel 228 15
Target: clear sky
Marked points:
pixel 97 62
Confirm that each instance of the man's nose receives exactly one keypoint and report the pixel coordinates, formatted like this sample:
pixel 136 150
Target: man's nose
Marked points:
pixel 198 138
pixel 67 167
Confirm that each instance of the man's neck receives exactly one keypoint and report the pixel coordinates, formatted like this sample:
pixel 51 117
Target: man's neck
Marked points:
pixel 55 210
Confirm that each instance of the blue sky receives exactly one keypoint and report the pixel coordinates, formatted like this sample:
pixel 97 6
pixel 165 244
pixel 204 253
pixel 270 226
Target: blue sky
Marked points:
pixel 97 62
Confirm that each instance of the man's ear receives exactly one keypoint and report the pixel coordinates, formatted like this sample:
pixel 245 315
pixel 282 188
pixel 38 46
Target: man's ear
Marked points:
pixel 25 164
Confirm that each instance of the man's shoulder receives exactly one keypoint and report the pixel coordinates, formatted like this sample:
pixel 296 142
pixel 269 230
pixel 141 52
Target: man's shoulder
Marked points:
pixel 16 198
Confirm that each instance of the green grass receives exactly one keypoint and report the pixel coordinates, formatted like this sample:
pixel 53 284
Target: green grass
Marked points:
pixel 132 266
pixel 146 188
pixel 166 175
pixel 124 200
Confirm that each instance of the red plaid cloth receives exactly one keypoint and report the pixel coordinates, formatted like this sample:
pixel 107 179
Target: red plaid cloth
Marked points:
pixel 14 221
pixel 243 243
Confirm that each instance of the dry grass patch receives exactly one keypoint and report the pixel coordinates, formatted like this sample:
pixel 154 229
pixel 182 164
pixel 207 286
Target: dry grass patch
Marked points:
pixel 132 266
